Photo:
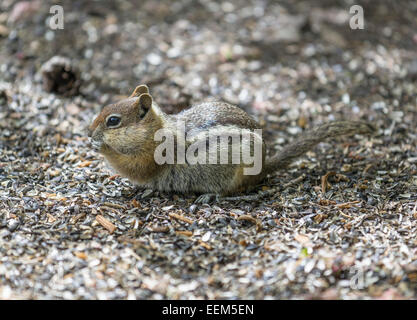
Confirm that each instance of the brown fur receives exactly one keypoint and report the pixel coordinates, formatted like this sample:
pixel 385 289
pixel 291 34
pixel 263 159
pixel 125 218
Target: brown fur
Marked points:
pixel 130 147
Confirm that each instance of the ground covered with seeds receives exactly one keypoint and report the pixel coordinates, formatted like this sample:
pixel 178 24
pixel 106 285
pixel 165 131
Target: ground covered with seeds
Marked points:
pixel 340 223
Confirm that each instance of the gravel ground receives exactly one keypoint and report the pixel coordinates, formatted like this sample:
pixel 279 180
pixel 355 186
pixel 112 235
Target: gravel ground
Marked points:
pixel 340 223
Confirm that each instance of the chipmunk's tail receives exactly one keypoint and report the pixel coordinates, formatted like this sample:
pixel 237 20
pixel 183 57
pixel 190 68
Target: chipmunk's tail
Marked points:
pixel 311 138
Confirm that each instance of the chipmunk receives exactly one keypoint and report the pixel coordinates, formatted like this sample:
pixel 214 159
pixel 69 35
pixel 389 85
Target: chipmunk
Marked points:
pixel 125 133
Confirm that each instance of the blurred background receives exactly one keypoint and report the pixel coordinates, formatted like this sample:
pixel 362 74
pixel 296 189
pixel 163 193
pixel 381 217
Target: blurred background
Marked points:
pixel 264 55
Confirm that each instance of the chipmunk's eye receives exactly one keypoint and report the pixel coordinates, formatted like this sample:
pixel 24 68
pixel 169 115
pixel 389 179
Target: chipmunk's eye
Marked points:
pixel 113 121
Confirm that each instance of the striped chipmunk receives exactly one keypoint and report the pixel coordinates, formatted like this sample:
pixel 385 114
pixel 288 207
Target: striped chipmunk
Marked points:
pixel 212 148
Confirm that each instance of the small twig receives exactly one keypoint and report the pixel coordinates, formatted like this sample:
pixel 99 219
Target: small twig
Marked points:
pixel 247 218
pixel 205 245
pixel 181 218
pixel 160 229
pixel 184 233
pixel 345 215
pixel 347 204
pixel 85 164
pixel 106 223
pixel 251 219
pixel 295 181
pixel 324 182
pixel 114 205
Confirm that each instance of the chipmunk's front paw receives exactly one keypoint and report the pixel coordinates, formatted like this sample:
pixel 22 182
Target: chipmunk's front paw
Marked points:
pixel 206 198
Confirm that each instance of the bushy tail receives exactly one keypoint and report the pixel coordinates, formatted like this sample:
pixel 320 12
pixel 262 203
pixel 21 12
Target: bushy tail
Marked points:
pixel 311 138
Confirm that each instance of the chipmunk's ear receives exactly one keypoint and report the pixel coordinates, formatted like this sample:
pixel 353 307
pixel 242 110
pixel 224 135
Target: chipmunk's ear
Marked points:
pixel 144 103
pixel 143 88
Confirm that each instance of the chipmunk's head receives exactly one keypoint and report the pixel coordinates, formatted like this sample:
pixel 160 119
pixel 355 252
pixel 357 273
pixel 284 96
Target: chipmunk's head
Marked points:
pixel 127 122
